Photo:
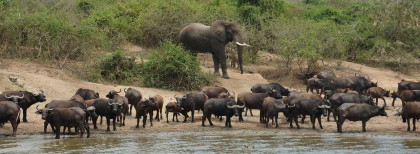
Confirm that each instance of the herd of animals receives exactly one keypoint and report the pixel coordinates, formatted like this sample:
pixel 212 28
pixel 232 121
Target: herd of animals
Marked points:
pixel 348 98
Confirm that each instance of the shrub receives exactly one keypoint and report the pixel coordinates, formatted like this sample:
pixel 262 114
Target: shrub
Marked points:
pixel 171 67
pixel 117 68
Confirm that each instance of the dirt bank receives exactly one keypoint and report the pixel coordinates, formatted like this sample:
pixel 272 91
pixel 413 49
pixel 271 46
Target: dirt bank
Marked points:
pixel 57 85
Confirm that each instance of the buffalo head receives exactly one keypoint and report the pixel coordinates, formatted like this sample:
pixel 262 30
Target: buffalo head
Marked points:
pixel 111 94
pixel 114 106
pixel 14 98
pixel 44 112
pixel 324 107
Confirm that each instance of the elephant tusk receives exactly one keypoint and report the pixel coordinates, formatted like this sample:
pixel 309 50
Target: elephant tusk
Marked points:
pixel 244 44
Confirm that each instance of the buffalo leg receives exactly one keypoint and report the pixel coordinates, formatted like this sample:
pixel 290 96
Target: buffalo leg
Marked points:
pixel 383 99
pixel 228 121
pixel 250 112
pixel 312 120
pixel 276 117
pixel 131 109
pixel 114 122
pixel 138 119
pixel 108 122
pixel 203 119
pixel 151 118
pixel 266 124
pixel 124 120
pixel 340 124
pixel 120 118
pixel 14 125
pixel 94 122
pixel 192 115
pixel 87 130
pixel 240 114
pixel 167 121
pixel 329 112
pixel 303 119
pixel 81 127
pixel 209 118
pixel 57 131
pixel 364 126
pixel 246 111
pixel 414 125
pixel 161 113
pixel 101 121
pixel 24 114
pixel 176 115
pixel 319 121
pixel 45 126
pixel 408 123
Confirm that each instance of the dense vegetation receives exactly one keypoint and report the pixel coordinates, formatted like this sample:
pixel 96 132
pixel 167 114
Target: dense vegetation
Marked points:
pixel 302 32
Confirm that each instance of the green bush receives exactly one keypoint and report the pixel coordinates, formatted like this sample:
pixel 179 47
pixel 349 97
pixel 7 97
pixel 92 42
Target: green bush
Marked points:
pixel 117 68
pixel 171 67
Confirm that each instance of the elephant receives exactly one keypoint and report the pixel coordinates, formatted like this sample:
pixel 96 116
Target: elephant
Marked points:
pixel 199 38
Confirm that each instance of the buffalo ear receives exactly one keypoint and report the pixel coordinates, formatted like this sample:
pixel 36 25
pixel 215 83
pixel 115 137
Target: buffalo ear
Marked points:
pixel 218 28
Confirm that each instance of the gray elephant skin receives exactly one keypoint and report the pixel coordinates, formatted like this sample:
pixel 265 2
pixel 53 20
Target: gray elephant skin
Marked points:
pixel 199 38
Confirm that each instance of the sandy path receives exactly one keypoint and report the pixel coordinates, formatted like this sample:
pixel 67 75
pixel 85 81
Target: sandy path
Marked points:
pixel 59 86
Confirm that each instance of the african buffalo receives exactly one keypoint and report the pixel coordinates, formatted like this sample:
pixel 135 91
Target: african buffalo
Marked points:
pixel 213 92
pixel 358 112
pixel 254 100
pixel 90 112
pixel 271 108
pixel 377 92
pixel 311 85
pixel 133 96
pixel 29 99
pixel 69 117
pixel 122 100
pixel 108 108
pixel 10 111
pixel 220 107
pixel 175 109
pixel 158 100
pixel 408 85
pixel 312 107
pixel 361 84
pixel 190 102
pixel 262 88
pixel 87 93
pixel 77 98
pixel 142 108
pixel 406 96
pixel 411 110
pixel 338 99
pixel 325 74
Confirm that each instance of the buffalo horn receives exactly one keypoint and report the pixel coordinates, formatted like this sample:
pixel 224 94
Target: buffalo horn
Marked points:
pixel 238 106
pixel 242 44
pixel 125 90
pixel 292 106
pixel 5 95
pixel 231 106
pixel 383 107
pixel 37 108
pixel 23 95
pixel 119 91
pixel 52 108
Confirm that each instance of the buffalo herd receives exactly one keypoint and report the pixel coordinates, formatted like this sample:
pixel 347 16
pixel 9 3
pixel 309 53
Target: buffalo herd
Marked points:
pixel 350 98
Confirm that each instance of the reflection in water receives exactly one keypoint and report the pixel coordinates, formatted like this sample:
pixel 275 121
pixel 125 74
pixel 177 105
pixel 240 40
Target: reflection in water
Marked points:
pixel 237 141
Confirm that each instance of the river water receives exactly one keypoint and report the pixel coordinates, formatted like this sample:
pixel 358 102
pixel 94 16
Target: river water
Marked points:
pixel 237 141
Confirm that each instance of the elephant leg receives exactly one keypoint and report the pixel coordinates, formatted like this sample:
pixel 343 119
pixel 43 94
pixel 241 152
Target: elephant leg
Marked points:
pixel 216 65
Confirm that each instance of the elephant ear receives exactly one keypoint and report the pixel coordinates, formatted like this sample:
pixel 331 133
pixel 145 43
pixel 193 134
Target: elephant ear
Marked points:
pixel 218 28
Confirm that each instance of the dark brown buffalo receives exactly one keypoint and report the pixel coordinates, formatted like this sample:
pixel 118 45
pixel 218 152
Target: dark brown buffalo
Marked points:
pixel 275 87
pixel 325 74
pixel 29 99
pixel 358 112
pixel 338 99
pixel 69 117
pixel 191 102
pixel 175 109
pixel 333 83
pixel 142 108
pixel 312 107
pixel 77 98
pixel 122 100
pixel 408 85
pixel 213 92
pixel 271 108
pixel 220 107
pixel 411 110
pixel 87 93
pixel 158 100
pixel 361 84
pixel 406 96
pixel 90 112
pixel 9 111
pixel 311 85
pixel 254 101
pixel 133 96
pixel 378 92
pixel 108 108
